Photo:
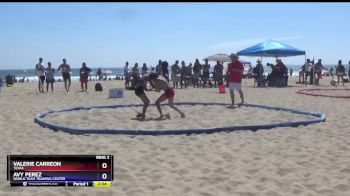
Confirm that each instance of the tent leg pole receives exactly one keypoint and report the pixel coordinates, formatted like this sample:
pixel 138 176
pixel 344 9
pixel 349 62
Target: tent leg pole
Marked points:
pixel 305 82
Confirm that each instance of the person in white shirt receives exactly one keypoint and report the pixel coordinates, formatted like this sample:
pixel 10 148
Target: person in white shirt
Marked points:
pixel 40 72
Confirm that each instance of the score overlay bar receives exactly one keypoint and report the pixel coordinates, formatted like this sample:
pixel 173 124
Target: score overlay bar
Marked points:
pixel 65 183
pixel 60 170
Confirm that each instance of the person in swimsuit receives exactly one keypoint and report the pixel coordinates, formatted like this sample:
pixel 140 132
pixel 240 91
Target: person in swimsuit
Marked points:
pixel 158 82
pixel 65 74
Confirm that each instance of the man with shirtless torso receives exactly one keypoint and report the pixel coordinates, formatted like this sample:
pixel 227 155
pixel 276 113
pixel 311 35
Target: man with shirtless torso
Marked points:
pixel 65 74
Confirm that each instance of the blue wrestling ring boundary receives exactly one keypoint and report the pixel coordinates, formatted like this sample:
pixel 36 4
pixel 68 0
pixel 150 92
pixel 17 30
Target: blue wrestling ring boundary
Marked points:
pixel 309 92
pixel 320 117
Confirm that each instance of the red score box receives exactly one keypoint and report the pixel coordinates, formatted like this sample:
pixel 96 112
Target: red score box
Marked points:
pixel 74 166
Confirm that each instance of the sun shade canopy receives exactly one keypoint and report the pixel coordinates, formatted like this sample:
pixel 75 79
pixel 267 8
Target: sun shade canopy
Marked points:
pixel 271 48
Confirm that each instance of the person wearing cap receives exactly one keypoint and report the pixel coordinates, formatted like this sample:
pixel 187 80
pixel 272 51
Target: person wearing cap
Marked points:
pixel 234 75
pixel 258 71
pixel 65 74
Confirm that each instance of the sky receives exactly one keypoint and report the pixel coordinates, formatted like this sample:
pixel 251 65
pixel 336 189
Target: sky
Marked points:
pixel 109 34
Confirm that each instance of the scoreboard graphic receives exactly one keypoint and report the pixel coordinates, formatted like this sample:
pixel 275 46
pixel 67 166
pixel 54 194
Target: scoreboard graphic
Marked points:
pixel 60 170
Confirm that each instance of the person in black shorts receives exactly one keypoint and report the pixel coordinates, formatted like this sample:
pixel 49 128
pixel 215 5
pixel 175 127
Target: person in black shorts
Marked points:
pixel 49 73
pixel 140 92
pixel 66 76
pixel 65 69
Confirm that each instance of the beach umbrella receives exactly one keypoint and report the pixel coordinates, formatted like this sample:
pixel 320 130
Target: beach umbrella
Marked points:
pixel 219 57
pixel 223 58
pixel 271 48
pixel 107 71
pixel 244 62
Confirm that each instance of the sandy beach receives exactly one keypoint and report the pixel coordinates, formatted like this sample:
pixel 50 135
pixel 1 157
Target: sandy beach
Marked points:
pixel 311 160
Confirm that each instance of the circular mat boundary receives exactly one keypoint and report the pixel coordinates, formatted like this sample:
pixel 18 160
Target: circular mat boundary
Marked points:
pixel 304 92
pixel 39 118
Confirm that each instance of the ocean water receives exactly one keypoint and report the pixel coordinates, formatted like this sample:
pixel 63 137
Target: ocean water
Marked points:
pixel 31 75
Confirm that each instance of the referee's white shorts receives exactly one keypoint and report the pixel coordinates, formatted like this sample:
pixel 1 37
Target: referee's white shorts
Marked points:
pixel 234 86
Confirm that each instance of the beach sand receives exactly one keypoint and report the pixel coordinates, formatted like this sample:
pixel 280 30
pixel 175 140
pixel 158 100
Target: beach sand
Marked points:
pixel 308 160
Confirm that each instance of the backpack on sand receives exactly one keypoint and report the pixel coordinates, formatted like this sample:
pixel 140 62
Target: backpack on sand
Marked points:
pixel 98 87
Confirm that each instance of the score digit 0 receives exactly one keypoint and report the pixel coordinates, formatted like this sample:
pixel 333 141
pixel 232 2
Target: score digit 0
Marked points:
pixel 104 165
pixel 104 176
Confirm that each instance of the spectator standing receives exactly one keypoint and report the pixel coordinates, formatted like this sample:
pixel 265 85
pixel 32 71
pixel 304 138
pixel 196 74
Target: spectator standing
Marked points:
pixel 127 75
pixel 49 73
pixel 340 71
pixel 234 73
pixel 65 70
pixel 84 75
pixel 40 72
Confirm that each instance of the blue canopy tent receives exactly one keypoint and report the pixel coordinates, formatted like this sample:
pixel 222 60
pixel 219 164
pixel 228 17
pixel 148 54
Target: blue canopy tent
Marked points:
pixel 271 48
